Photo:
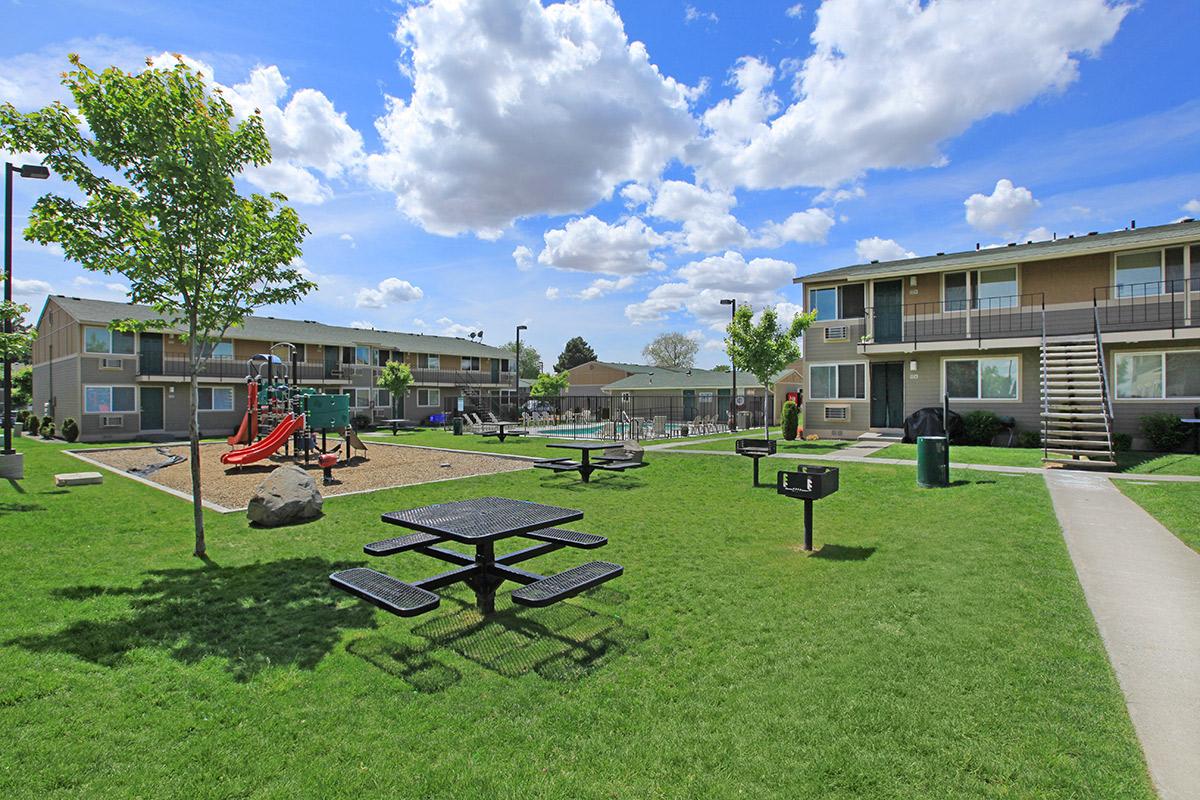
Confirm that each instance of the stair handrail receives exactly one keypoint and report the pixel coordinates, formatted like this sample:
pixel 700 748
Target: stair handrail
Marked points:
pixel 1045 388
pixel 1103 367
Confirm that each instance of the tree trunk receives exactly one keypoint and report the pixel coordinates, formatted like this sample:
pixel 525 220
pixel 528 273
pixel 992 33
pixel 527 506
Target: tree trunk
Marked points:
pixel 194 442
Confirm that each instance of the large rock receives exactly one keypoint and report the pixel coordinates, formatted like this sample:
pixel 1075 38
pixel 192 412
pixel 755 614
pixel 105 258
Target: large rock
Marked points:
pixel 289 494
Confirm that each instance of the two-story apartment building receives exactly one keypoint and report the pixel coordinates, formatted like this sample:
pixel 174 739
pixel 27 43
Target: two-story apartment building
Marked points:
pixel 1075 338
pixel 119 385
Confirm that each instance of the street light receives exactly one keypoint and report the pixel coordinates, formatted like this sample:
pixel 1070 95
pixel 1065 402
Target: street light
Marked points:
pixel 732 303
pixel 517 370
pixel 39 172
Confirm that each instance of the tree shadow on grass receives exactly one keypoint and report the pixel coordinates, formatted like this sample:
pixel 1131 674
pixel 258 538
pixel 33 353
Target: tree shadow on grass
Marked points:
pixel 564 642
pixel 18 508
pixel 281 613
pixel 840 552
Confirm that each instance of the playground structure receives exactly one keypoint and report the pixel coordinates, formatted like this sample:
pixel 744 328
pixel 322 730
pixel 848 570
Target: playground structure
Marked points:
pixel 281 415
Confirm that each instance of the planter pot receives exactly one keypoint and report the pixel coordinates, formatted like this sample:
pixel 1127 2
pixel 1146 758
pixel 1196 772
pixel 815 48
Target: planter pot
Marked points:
pixel 12 466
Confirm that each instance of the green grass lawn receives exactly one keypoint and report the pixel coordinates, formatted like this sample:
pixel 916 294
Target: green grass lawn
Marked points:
pixel 729 443
pixel 969 454
pixel 1175 505
pixel 1159 463
pixel 924 652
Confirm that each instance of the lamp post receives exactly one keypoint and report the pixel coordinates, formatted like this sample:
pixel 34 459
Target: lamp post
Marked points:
pixel 732 303
pixel 25 171
pixel 517 370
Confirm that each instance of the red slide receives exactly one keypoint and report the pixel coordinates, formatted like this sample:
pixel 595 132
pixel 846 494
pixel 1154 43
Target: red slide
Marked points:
pixel 248 429
pixel 260 450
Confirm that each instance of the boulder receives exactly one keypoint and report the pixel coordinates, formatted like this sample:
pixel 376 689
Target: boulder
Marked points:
pixel 289 494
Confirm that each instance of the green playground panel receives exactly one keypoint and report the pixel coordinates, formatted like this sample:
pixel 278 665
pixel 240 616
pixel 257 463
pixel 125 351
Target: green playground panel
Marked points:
pixel 327 412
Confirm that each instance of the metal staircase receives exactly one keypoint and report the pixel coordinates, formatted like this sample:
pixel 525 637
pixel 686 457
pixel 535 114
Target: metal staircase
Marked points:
pixel 1076 412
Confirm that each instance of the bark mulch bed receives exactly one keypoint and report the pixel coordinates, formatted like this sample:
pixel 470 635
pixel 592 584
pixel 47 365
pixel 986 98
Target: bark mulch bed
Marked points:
pixel 385 466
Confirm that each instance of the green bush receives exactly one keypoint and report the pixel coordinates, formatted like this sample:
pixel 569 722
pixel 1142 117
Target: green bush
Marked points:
pixel 47 429
pixel 791 420
pixel 1164 431
pixel 1029 439
pixel 33 424
pixel 980 427
pixel 1122 442
pixel 70 429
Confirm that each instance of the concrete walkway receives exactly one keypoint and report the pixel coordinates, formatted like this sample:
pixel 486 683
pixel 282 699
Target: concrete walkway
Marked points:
pixel 1143 586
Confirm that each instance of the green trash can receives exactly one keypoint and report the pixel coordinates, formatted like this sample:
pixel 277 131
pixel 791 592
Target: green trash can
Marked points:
pixel 933 461
pixel 457 426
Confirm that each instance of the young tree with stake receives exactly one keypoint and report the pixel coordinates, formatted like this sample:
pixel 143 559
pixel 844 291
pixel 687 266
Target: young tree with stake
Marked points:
pixel 763 350
pixel 396 377
pixel 164 212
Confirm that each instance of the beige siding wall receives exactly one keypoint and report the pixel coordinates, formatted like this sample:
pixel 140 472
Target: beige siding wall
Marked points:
pixel 594 375
pixel 58 335
pixel 1066 280
pixel 57 383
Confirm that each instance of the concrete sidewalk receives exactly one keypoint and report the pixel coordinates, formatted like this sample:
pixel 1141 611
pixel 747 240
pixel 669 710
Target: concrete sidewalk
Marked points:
pixel 1143 587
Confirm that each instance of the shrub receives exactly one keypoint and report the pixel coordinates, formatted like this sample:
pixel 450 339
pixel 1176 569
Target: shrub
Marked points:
pixel 70 429
pixel 47 429
pixel 1164 431
pixel 34 424
pixel 1122 442
pixel 1029 439
pixel 791 420
pixel 980 427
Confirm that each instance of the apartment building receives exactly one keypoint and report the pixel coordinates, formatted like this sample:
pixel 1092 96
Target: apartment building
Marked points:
pixel 1075 338
pixel 120 386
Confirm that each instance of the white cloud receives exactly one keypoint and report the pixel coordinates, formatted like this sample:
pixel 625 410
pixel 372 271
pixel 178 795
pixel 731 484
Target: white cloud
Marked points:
pixel 345 237
pixel 1192 206
pixel 31 288
pixel 889 80
pixel 592 245
pixel 603 286
pixel 99 289
pixel 389 291
pixel 877 249
pixel 692 14
pixel 307 134
pixel 1038 234
pixel 1005 210
pixel 551 292
pixel 523 257
pixel 836 196
pixel 701 286
pixel 32 80
pixel 796 11
pixel 636 195
pixel 519 109
pixel 362 324
pixel 806 227
pixel 448 327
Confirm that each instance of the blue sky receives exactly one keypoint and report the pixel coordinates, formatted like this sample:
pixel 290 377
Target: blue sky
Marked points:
pixel 612 171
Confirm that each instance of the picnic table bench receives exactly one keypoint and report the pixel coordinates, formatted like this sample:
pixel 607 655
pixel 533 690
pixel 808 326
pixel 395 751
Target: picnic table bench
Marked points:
pixel 501 430
pixel 481 523
pixel 755 449
pixel 586 465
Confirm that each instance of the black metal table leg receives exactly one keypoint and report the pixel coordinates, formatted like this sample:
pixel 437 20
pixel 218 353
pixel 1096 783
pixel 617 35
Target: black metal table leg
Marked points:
pixel 483 582
pixel 755 471
pixel 808 525
pixel 585 468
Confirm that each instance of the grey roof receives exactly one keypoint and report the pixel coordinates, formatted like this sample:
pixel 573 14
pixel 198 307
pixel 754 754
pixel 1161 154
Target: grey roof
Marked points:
pixel 1132 239
pixel 667 378
pixel 276 329
pixel 630 368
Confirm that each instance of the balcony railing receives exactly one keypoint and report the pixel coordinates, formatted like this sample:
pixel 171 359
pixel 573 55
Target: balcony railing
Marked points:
pixel 452 377
pixel 949 320
pixel 219 368
pixel 1150 305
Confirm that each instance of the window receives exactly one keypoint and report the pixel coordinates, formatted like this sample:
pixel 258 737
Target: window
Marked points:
pixel 223 349
pixel 359 398
pixel 429 397
pixel 426 361
pixel 219 398
pixel 102 340
pixel 840 302
pixel 383 398
pixel 1158 376
pixel 109 399
pixel 470 363
pixel 988 288
pixel 362 355
pixel 1138 274
pixel 982 378
pixel 838 381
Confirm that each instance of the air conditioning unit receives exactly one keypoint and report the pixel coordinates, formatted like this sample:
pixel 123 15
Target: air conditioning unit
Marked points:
pixel 837 333
pixel 112 422
pixel 112 363
pixel 837 412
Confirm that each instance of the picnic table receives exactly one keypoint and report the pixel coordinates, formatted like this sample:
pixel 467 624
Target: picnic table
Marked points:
pixel 585 466
pixel 501 430
pixel 399 424
pixel 480 523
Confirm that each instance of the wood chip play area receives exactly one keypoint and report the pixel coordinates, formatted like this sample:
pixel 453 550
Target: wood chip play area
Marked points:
pixel 384 466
